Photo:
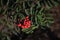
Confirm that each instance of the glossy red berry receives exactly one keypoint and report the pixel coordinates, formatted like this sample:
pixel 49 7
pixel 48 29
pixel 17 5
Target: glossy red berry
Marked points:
pixel 26 23
pixel 19 25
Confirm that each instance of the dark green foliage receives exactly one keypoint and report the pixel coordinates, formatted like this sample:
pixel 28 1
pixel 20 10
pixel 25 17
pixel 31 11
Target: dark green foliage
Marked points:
pixel 12 10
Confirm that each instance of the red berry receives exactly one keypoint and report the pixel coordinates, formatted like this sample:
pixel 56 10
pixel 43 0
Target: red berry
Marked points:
pixel 26 23
pixel 27 17
pixel 19 25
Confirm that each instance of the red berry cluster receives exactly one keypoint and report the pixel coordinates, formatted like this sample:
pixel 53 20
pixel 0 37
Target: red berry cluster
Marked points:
pixel 26 23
